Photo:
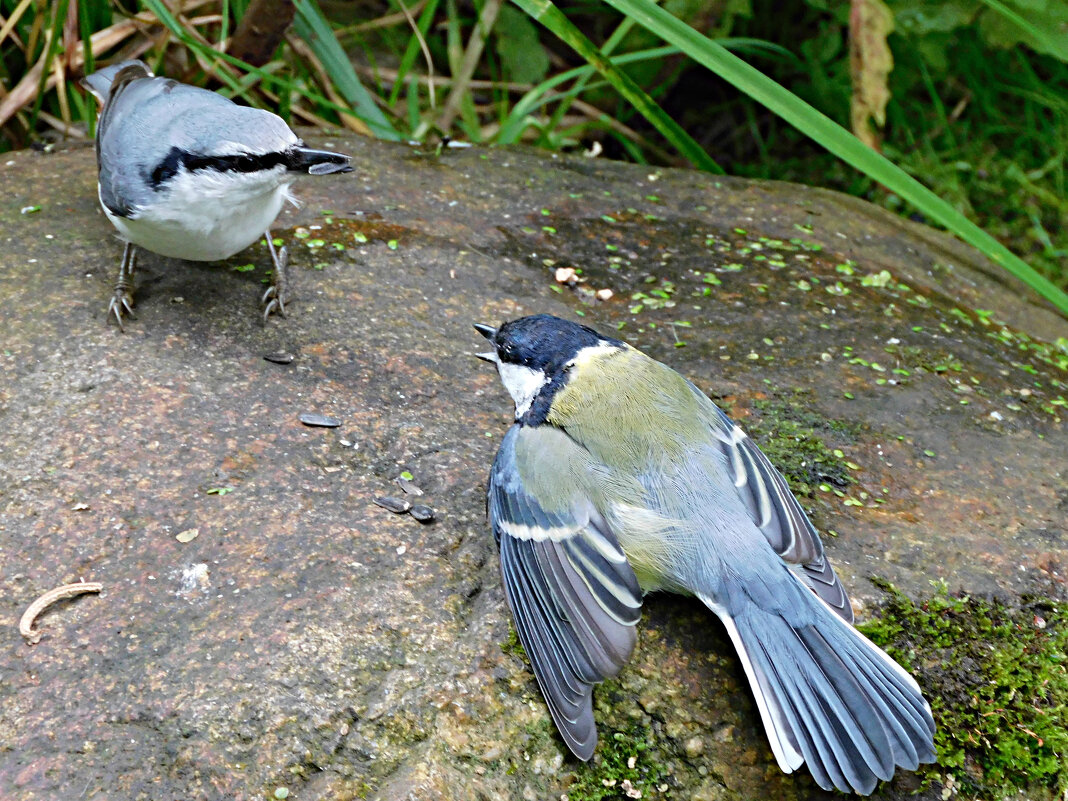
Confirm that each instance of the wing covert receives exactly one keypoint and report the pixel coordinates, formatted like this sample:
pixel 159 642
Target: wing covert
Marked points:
pixel 775 510
pixel 574 598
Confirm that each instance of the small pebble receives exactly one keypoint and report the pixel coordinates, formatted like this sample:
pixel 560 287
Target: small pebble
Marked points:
pixel 395 505
pixel 319 420
pixel 564 275
pixel 424 514
pixel 279 358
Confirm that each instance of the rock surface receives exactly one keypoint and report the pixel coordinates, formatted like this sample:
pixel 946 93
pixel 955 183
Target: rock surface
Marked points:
pixel 265 628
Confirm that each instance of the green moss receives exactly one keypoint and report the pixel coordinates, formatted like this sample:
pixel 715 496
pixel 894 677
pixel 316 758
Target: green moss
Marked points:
pixel 512 646
pixel 791 435
pixel 620 767
pixel 996 678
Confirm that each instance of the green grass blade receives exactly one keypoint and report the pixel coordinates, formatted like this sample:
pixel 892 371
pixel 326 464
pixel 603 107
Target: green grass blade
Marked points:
pixel 54 41
pixel 312 27
pixel 516 122
pixel 1038 34
pixel 552 18
pixel 411 52
pixel 169 21
pixel 609 46
pixel 833 137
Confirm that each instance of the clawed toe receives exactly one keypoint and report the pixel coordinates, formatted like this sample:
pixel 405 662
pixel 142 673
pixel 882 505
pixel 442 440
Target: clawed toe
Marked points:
pixel 277 295
pixel 120 305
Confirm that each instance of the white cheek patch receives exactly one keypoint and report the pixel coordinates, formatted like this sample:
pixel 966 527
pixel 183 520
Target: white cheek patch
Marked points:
pixel 522 383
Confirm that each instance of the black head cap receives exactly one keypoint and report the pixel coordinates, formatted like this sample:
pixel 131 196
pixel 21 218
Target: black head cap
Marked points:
pixel 542 342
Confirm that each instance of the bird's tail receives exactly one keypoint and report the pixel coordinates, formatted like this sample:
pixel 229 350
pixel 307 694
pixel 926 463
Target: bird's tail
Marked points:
pixel 101 82
pixel 316 162
pixel 831 698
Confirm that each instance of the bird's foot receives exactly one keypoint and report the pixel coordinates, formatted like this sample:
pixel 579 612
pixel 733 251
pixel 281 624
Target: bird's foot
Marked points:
pixel 122 300
pixel 121 304
pixel 276 297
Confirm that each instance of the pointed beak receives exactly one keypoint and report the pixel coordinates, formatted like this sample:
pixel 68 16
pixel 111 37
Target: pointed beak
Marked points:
pixel 488 332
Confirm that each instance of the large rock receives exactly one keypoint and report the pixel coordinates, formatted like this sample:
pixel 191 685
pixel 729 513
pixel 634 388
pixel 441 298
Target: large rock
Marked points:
pixel 307 639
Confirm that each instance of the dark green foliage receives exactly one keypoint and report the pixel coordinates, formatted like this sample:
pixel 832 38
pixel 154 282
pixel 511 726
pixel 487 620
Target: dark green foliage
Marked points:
pixel 996 678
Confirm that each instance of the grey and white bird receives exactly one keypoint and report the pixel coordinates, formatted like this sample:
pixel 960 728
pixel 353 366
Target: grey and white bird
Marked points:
pixel 189 174
pixel 620 477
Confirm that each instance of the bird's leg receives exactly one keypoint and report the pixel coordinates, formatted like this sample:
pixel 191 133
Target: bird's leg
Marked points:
pixel 277 294
pixel 122 300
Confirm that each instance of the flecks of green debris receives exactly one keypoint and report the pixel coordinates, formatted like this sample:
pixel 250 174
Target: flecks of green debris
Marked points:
pixel 315 243
pixel 548 229
pixel 337 246
pixel 741 231
pixel 30 209
pixel 618 765
pixel 848 395
pixel 996 678
pixel 963 316
pixel 301 233
pixel 838 289
pixel 281 793
pixel 652 198
pixel 733 267
pixel 846 268
pixel 879 279
pixel 392 244
pixel 711 278
pixel 360 237
pixel 406 475
pixel 609 219
pixel 612 248
pixel 219 490
pixel 243 268
pixel 929 453
pixel 545 212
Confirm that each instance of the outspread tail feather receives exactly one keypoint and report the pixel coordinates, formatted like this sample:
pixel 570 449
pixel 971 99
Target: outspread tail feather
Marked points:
pixel 830 698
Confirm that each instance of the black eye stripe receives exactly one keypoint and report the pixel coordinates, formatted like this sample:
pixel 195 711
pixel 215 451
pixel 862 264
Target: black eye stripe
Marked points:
pixel 177 158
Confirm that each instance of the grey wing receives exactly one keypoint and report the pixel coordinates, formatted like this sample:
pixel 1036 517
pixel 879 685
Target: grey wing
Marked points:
pixel 148 123
pixel 775 510
pixel 574 597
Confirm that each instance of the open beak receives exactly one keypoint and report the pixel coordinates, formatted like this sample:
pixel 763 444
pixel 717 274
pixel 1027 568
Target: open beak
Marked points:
pixel 489 332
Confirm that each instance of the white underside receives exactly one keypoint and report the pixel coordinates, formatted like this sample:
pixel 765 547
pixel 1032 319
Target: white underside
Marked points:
pixel 207 217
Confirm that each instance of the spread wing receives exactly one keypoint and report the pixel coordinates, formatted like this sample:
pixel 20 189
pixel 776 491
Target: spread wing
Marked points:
pixel 574 598
pixel 775 510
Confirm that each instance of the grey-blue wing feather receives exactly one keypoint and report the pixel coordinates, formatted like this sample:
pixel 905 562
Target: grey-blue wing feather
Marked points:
pixel 775 510
pixel 574 598
pixel 145 118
